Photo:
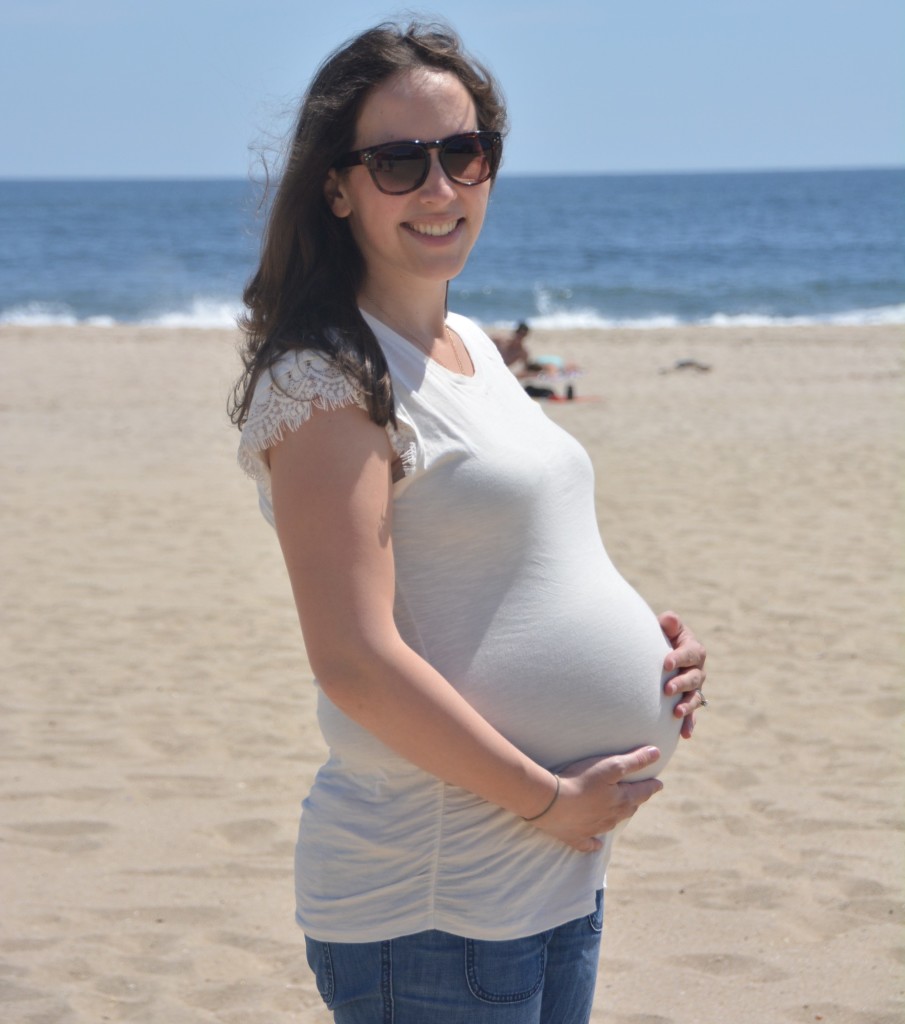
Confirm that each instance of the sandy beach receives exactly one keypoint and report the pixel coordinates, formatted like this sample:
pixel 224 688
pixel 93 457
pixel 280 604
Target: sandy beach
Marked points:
pixel 157 709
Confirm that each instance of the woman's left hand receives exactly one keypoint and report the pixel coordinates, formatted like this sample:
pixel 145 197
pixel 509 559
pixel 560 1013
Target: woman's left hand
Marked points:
pixel 686 659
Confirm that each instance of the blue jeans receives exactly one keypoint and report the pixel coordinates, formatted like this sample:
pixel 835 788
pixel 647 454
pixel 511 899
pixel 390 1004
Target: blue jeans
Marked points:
pixel 437 978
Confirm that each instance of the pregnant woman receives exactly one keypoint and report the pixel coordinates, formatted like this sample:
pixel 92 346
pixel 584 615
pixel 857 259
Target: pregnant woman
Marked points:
pixel 496 699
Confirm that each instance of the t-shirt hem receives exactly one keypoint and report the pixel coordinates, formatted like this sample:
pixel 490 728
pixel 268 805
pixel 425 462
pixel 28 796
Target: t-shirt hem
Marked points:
pixel 456 924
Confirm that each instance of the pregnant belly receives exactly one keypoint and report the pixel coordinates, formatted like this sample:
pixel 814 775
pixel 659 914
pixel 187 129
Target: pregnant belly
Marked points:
pixel 589 683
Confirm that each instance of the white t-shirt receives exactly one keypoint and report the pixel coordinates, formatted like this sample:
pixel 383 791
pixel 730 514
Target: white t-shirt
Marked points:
pixel 504 586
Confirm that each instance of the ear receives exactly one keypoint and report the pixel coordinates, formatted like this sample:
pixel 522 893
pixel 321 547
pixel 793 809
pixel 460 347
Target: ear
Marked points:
pixel 335 195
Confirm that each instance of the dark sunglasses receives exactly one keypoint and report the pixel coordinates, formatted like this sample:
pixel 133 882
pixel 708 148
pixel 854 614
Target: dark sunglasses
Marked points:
pixel 400 167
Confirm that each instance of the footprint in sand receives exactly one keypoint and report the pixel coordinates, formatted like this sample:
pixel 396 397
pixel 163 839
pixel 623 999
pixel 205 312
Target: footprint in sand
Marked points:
pixel 730 965
pixel 249 831
pixel 61 836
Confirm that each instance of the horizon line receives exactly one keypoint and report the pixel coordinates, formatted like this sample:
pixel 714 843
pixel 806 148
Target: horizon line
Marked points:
pixel 187 177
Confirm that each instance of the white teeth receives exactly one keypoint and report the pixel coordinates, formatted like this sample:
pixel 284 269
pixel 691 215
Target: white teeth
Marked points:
pixel 437 230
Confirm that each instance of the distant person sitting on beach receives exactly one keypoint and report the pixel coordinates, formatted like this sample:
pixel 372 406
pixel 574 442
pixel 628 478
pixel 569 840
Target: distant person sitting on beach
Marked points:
pixel 512 344
pixel 512 348
pixel 515 355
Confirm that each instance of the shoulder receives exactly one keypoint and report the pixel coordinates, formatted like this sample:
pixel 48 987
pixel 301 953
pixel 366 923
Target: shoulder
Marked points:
pixel 306 375
pixel 477 339
pixel 284 397
pixel 466 327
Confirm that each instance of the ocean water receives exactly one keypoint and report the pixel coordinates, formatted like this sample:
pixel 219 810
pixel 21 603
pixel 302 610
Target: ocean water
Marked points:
pixel 605 250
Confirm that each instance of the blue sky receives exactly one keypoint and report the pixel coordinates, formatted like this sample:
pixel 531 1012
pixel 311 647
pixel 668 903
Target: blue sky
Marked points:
pixel 160 88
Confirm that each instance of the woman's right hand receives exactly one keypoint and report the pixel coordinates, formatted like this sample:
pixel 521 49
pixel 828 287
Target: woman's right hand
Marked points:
pixel 594 797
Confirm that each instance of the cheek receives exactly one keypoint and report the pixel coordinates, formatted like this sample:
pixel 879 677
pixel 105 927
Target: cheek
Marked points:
pixel 373 230
pixel 367 229
pixel 477 207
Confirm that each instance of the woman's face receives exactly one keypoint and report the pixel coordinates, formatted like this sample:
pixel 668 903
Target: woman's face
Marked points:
pixel 421 238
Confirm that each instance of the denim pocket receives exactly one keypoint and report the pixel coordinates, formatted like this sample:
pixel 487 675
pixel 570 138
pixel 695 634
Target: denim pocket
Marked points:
pixel 505 972
pixel 595 920
pixel 320 961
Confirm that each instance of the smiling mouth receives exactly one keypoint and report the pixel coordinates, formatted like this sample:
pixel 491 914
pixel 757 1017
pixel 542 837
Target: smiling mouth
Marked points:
pixel 435 230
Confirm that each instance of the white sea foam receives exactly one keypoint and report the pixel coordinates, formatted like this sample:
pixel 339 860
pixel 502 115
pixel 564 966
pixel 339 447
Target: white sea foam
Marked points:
pixel 201 312
pixel 879 315
pixel 213 313
pixel 589 319
pixel 854 317
pixel 38 314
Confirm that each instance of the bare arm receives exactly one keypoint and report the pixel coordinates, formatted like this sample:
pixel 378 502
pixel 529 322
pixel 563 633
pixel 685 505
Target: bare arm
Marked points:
pixel 333 511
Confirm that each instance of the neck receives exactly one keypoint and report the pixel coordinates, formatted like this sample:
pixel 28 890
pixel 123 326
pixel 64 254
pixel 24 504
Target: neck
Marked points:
pixel 421 313
pixel 423 325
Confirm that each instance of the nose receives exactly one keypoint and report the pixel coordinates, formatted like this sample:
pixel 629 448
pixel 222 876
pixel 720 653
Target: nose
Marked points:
pixel 437 183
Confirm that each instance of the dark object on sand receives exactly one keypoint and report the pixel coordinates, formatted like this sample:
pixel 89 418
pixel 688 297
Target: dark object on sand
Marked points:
pixel 687 364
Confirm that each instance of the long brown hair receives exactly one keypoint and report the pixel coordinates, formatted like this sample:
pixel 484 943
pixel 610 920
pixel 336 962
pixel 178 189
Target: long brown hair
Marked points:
pixel 304 292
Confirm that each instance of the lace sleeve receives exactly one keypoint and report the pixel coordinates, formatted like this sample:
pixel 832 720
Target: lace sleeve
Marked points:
pixel 403 440
pixel 283 400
